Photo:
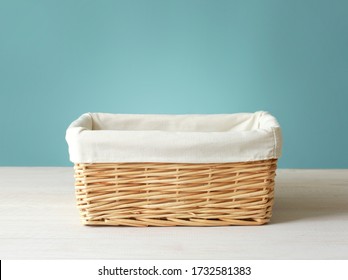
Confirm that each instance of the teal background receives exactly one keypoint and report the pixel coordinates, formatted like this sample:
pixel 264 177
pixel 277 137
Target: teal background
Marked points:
pixel 59 59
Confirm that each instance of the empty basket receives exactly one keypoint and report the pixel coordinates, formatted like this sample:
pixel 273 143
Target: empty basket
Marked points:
pixel 174 170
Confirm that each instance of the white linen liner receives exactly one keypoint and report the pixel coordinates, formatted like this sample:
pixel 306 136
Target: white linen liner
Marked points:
pixel 102 137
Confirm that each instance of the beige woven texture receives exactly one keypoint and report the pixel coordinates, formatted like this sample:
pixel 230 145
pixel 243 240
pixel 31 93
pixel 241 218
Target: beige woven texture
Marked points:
pixel 171 194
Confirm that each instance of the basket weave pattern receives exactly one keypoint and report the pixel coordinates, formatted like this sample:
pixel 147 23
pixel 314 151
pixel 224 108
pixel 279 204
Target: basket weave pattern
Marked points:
pixel 175 194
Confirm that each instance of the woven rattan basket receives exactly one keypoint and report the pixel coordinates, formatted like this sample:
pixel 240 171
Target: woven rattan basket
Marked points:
pixel 155 193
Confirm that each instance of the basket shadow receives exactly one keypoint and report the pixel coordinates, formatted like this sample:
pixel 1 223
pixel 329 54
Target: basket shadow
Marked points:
pixel 295 202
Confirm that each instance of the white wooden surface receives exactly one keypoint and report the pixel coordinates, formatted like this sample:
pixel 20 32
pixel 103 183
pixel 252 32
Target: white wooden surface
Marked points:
pixel 39 220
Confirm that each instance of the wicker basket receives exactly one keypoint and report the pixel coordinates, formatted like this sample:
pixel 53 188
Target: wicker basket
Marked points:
pixel 175 194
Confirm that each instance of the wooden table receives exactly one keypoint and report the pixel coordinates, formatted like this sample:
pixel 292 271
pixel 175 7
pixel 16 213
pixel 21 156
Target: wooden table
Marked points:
pixel 39 220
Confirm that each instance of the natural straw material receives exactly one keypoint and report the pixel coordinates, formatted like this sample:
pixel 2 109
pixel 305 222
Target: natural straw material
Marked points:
pixel 175 194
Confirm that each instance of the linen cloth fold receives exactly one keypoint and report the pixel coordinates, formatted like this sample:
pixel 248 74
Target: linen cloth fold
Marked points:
pixel 217 138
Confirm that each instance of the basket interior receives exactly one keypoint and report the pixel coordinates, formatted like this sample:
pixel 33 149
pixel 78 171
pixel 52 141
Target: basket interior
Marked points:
pixel 179 123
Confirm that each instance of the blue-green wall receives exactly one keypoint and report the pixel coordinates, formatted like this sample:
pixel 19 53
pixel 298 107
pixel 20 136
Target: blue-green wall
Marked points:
pixel 59 59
